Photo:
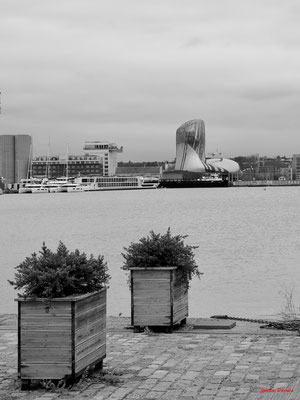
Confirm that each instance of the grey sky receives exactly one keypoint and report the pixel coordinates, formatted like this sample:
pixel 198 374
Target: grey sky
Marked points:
pixel 133 71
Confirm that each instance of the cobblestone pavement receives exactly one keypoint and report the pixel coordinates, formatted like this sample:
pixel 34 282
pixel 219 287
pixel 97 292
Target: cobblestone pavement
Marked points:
pixel 187 364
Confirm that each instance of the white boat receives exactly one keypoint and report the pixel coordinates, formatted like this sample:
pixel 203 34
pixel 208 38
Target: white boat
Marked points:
pixel 57 185
pixel 73 188
pixel 212 178
pixel 26 185
pixel 149 183
pixel 99 183
pixel 39 187
pixel 88 183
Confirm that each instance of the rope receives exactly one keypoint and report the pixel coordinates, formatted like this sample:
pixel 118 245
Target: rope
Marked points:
pixel 293 325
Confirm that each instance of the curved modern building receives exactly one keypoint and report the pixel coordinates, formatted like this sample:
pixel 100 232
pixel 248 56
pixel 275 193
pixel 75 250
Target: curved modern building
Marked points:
pixel 190 146
pixel 190 151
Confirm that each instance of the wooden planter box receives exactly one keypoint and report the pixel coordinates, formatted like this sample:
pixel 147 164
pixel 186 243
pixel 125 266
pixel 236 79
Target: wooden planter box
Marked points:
pixel 157 298
pixel 61 342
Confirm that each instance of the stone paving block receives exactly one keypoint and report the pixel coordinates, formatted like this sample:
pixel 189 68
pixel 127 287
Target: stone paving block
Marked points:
pixel 138 394
pixel 158 374
pixel 208 392
pixel 190 375
pixel 222 373
pixel 146 372
pixel 173 394
pixel 251 377
pixel 193 392
pixel 171 376
pixel 162 386
pixel 148 384
pixel 222 394
pixel 121 393
pixel 154 395
pixel 286 374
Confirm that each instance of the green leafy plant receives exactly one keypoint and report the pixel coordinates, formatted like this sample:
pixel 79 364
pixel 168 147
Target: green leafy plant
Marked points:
pixel 157 250
pixel 60 274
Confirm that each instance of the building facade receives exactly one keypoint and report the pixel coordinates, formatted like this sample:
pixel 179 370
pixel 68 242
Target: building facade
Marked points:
pixel 15 157
pixel 58 166
pixel 107 152
pixel 190 151
pixel 296 166
pixel 190 146
pixel 100 158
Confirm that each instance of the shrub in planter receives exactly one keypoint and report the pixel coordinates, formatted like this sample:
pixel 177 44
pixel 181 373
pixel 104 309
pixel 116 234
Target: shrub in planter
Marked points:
pixel 61 314
pixel 161 267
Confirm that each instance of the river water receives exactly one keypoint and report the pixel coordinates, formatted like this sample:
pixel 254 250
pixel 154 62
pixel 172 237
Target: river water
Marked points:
pixel 248 238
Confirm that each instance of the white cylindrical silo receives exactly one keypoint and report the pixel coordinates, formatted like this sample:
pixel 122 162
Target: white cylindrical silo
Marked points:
pixel 7 158
pixel 22 156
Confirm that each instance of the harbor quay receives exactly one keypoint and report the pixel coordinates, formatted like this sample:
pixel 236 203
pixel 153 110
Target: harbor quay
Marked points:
pixel 245 362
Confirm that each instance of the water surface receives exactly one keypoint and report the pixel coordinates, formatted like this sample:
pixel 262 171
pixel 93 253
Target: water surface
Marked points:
pixel 248 240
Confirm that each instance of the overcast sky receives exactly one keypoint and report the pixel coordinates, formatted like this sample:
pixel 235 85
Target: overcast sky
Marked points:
pixel 132 71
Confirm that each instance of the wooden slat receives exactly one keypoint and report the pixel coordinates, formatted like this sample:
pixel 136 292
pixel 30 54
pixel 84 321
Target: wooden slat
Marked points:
pixel 39 308
pixel 150 320
pixel 151 275
pixel 159 309
pixel 90 345
pixel 90 358
pixel 151 298
pixel 89 330
pixel 90 316
pixel 151 284
pixel 45 338
pixel 47 371
pixel 39 355
pixel 90 302
pixel 45 323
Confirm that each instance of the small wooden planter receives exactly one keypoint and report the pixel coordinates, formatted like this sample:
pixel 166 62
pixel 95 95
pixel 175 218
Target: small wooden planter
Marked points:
pixel 62 341
pixel 158 298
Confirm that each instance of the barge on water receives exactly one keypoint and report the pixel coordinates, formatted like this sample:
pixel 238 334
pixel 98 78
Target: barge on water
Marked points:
pixel 185 179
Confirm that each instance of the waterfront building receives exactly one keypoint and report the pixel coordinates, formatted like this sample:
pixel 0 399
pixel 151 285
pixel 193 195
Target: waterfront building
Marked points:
pixel 296 166
pixel 190 146
pixel 15 154
pixel 58 166
pixel 190 151
pixel 100 158
pixel 107 152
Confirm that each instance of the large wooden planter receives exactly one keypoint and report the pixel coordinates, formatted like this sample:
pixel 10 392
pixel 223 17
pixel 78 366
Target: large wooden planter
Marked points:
pixel 157 298
pixel 62 341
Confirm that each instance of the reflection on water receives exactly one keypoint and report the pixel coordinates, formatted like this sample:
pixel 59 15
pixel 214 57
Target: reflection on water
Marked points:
pixel 248 240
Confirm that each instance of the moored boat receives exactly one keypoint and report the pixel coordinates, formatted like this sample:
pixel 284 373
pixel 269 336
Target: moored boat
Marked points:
pixel 101 183
pixel 89 183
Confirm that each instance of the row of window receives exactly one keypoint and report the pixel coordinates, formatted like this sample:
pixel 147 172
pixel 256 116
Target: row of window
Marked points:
pixel 116 184
pixel 119 179
pixel 112 181
pixel 65 163
pixel 96 146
